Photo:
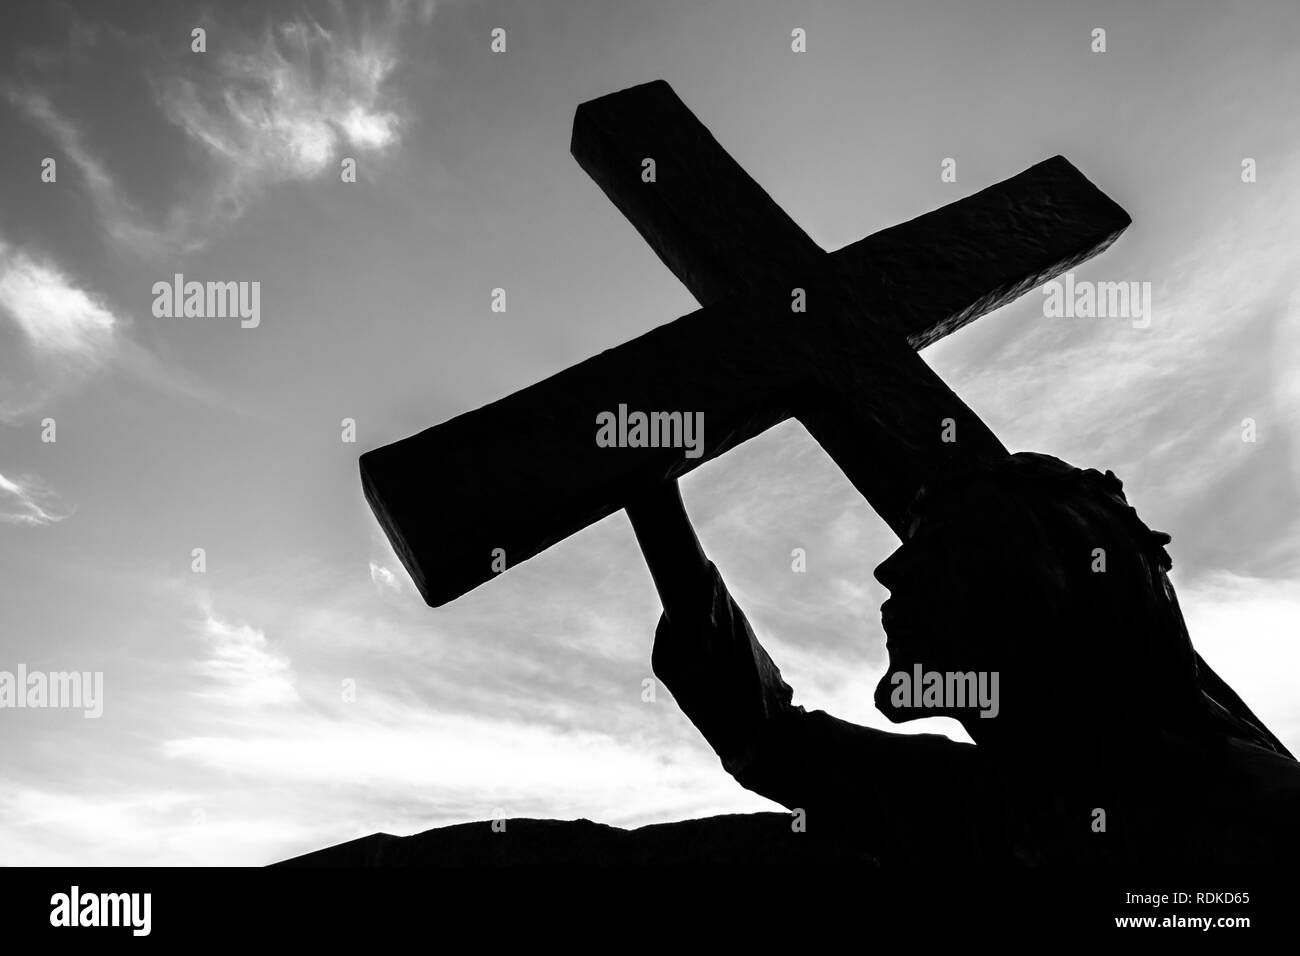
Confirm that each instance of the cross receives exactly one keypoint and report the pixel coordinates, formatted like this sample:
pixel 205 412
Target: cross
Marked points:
pixel 495 486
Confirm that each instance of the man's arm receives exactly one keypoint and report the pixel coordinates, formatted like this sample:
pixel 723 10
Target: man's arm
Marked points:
pixel 901 792
pixel 704 650
pixel 667 538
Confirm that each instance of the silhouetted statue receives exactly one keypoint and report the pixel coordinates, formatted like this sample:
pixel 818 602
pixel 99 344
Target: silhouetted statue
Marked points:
pixel 1112 742
pixel 1109 739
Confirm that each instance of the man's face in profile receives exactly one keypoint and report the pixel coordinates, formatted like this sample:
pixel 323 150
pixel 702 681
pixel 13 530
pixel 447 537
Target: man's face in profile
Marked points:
pixel 1002 575
pixel 914 630
pixel 946 612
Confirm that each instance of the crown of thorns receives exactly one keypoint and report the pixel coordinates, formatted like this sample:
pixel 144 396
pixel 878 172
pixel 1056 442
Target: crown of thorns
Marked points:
pixel 1051 478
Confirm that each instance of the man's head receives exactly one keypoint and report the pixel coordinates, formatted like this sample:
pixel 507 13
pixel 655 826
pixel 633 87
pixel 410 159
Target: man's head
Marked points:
pixel 1042 574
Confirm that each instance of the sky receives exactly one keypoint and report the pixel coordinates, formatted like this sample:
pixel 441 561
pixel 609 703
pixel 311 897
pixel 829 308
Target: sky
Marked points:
pixel 296 692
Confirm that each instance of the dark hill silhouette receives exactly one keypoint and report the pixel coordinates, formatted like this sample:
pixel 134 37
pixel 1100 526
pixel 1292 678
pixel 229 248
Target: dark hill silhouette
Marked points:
pixel 757 839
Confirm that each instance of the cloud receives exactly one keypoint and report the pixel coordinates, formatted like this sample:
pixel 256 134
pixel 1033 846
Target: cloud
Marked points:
pixel 71 334
pixel 415 748
pixel 68 331
pixel 43 826
pixel 242 665
pixel 25 500
pixel 280 106
pixel 384 578
pixel 127 824
pixel 121 219
pixel 54 315
pixel 1164 406
pixel 439 767
pixel 287 105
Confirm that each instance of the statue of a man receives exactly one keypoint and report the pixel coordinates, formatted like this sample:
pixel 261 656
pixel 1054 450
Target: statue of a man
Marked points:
pixel 1112 741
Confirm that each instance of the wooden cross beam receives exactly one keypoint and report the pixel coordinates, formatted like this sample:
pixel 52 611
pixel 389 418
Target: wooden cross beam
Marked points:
pixel 510 479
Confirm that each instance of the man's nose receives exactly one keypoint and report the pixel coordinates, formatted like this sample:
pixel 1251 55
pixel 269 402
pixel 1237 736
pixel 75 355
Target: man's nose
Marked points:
pixel 888 572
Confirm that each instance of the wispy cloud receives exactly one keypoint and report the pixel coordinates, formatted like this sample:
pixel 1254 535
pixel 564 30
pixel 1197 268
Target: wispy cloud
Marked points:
pixel 25 500
pixel 288 105
pixel 1164 406
pixel 120 217
pixel 269 118
pixel 242 667
pixel 384 578
pixel 283 105
pixel 55 315
pixel 68 332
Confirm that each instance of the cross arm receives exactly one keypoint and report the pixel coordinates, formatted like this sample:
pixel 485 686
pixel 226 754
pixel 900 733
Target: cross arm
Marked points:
pixel 719 231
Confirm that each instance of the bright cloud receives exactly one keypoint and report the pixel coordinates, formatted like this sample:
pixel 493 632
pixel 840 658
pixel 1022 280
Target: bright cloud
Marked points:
pixel 25 500
pixel 54 315
pixel 439 750
pixel 383 577
pixel 281 106
pixel 472 766
pixel 69 332
pixel 244 668
pixel 141 825
pixel 286 107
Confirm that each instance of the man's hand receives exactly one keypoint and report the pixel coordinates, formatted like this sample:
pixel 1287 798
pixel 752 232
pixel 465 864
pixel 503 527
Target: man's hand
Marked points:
pixel 704 651
pixel 677 562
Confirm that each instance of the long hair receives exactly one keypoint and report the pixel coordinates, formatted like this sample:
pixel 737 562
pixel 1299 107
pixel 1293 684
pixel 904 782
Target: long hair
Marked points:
pixel 1063 525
